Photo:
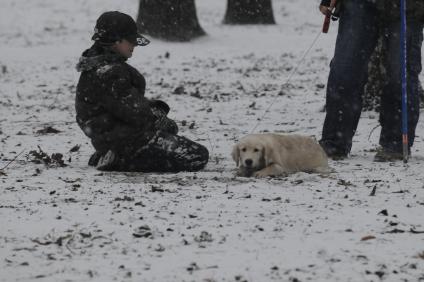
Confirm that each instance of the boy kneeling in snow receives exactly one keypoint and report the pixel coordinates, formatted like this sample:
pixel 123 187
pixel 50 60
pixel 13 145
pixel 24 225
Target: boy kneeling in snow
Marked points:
pixel 128 131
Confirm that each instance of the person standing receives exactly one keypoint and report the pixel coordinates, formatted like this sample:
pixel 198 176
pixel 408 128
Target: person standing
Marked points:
pixel 356 40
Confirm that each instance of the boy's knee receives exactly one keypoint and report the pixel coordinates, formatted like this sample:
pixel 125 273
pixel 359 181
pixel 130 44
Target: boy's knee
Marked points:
pixel 201 159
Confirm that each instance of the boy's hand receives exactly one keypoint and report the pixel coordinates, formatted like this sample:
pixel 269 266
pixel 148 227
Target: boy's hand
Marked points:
pixel 163 123
pixel 161 105
pixel 167 125
pixel 170 126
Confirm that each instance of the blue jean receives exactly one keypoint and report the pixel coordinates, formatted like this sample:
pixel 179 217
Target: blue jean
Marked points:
pixel 357 37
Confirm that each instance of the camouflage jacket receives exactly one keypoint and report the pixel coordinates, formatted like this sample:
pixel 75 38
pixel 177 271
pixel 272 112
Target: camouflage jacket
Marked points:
pixel 110 105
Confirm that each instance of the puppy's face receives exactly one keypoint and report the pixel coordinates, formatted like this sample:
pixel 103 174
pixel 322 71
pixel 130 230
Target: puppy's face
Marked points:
pixel 249 155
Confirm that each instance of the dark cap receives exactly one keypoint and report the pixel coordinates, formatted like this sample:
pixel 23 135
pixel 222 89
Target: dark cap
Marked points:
pixel 114 26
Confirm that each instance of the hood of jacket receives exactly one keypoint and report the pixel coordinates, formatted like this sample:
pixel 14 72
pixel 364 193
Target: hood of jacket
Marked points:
pixel 97 57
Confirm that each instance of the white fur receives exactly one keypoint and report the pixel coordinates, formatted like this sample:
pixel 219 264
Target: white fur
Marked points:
pixel 269 154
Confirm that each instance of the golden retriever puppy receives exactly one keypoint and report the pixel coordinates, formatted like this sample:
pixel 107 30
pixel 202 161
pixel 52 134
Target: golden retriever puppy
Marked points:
pixel 262 155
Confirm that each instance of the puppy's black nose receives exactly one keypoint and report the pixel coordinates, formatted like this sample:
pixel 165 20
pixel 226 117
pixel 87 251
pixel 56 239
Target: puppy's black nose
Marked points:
pixel 248 162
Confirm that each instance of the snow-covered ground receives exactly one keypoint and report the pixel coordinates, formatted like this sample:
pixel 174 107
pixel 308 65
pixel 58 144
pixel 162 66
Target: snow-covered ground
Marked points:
pixel 362 223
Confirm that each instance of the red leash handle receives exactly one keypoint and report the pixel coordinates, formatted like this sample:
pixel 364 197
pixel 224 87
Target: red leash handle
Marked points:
pixel 327 20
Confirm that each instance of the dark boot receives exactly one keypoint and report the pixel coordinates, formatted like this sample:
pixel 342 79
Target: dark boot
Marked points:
pixel 107 162
pixel 94 159
pixel 386 155
pixel 333 152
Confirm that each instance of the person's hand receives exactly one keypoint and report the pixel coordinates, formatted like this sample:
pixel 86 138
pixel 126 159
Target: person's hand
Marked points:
pixel 327 9
pixel 170 126
pixel 164 123
pixel 324 9
pixel 161 105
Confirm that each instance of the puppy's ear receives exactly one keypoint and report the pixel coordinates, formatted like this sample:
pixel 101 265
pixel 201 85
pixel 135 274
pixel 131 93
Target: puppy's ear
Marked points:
pixel 268 154
pixel 236 154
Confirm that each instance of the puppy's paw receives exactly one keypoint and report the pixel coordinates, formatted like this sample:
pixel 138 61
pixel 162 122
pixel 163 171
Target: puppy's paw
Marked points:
pixel 240 172
pixel 244 172
pixel 261 174
pixel 272 170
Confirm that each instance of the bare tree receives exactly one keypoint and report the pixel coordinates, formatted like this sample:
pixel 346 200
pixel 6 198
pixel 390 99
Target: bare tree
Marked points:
pixel 174 20
pixel 249 12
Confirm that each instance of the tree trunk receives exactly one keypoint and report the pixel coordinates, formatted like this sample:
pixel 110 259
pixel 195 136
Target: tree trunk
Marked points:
pixel 173 20
pixel 249 12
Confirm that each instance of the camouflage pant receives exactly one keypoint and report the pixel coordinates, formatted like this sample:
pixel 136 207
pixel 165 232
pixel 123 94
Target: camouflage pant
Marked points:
pixel 165 152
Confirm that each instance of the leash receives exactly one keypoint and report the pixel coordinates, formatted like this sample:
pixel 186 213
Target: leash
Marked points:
pixel 11 161
pixel 288 80
pixel 335 5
